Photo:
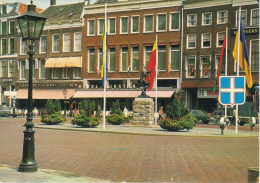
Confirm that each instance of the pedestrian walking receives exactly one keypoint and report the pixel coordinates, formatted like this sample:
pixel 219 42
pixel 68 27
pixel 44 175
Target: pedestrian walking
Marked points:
pixel 160 113
pixel 99 111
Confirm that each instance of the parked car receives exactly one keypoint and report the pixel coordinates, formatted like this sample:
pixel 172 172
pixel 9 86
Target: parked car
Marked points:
pixel 5 111
pixel 201 115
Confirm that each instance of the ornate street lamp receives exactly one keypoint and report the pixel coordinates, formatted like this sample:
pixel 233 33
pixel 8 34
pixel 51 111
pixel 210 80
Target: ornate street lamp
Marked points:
pixel 65 92
pixel 31 24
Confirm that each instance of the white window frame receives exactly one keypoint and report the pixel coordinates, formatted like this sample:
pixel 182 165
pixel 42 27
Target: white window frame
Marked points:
pixel 65 73
pixel 203 19
pixel 250 56
pixel 5 27
pixel 188 21
pixel 114 53
pixel 93 27
pixel 218 38
pixel 66 41
pixel 9 30
pixel 75 71
pixel 79 40
pixel 218 17
pixel 121 61
pixel 170 19
pixel 9 45
pixel 251 18
pixel 157 22
pixel 89 54
pixel 53 43
pixel 132 24
pixel 194 41
pixel 237 14
pixel 109 24
pixel 40 44
pixel 100 29
pixel 1 71
pixel 121 25
pixel 146 15
pixel 41 68
pixel 145 52
pixel 202 40
pixel 21 69
pixel 187 66
pixel 201 66
pixel 216 65
pixel 56 72
pixel 170 60
pixel 9 73
pixel 132 57
pixel 22 44
pixel 2 46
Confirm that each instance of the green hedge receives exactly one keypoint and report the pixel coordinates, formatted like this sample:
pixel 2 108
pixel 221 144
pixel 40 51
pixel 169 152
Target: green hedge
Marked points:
pixel 55 118
pixel 117 119
pixel 85 121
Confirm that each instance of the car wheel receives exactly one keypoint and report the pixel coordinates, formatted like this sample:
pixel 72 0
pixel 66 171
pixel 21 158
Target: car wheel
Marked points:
pixel 241 123
pixel 6 115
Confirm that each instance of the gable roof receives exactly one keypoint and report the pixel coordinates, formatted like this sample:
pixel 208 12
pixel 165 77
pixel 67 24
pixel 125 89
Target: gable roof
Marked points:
pixel 103 1
pixel 63 12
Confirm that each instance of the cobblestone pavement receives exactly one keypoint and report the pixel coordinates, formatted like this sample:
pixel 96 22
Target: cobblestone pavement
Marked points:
pixel 134 158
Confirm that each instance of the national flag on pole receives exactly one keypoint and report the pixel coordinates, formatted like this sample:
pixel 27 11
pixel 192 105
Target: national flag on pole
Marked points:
pixel 129 68
pixel 104 50
pixel 243 55
pixel 151 66
pixel 221 60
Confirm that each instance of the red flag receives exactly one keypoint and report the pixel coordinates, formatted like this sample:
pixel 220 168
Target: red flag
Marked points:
pixel 222 58
pixel 151 66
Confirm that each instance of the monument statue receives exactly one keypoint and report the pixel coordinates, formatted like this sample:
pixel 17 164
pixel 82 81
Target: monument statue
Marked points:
pixel 144 83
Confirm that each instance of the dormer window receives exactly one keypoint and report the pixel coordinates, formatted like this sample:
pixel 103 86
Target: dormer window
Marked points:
pixel 3 10
pixel 71 14
pixel 61 9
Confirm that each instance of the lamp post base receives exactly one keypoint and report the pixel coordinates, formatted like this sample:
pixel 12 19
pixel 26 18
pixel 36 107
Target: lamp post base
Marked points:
pixel 28 168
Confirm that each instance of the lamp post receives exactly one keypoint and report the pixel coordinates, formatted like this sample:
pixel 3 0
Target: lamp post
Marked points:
pixel 65 92
pixel 31 24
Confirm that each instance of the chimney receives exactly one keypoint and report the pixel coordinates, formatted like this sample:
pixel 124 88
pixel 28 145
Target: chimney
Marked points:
pixel 53 2
pixel 87 2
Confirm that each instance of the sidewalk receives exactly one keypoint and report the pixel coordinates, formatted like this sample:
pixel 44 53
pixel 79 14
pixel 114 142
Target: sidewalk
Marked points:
pixel 197 131
pixel 11 174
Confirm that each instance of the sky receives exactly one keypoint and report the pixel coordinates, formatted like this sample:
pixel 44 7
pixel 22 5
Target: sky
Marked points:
pixel 45 3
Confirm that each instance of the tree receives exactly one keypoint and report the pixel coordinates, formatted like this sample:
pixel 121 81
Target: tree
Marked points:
pixel 176 113
pixel 116 108
pixel 50 107
pixel 184 110
pixel 57 106
pixel 87 106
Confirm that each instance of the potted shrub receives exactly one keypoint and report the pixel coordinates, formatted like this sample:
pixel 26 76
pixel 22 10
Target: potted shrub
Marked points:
pixel 116 117
pixel 178 118
pixel 53 114
pixel 86 117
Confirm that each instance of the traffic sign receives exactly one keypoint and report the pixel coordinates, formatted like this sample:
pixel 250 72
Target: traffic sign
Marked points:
pixel 232 90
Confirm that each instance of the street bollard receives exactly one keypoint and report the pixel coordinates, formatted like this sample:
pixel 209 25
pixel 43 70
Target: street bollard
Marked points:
pixel 252 122
pixel 222 124
pixel 253 174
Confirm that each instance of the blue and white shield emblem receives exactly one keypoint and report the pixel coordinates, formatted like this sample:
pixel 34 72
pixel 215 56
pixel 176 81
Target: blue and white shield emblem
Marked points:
pixel 232 90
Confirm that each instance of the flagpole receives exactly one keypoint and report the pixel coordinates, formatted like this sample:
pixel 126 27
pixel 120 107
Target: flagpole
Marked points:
pixel 238 59
pixel 226 62
pixel 105 69
pixel 156 70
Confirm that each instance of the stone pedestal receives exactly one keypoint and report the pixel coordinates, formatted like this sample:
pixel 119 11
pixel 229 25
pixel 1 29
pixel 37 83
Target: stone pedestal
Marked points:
pixel 143 111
